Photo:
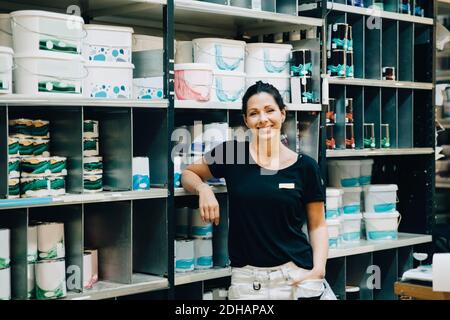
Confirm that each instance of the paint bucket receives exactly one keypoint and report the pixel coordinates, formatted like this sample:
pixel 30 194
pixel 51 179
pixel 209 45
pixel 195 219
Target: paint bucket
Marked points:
pixel 333 203
pixel 382 226
pixel 350 68
pixel 50 279
pixel 330 142
pixel 143 42
pixel 90 147
pixel 349 136
pixel 32 244
pixel 31 280
pixel 35 167
pixel 184 255
pixel 5 284
pixel 87 270
pixel 301 63
pixel 92 183
pixel 182 225
pixel 193 81
pixel 184 52
pixel 34 187
pixel 389 73
pixel 203 253
pixel 268 59
pixel 228 86
pixel 220 54
pixel 385 136
pixel 13 168
pixel 51 241
pixel 148 64
pixel 200 229
pixel 380 198
pixel 6 67
pixel 281 82
pixel 28 146
pixel 337 63
pixel 150 88
pixel 107 43
pixel 366 172
pixel 331 111
pixel 5 30
pixel 352 200
pixel 302 90
pixel 57 185
pixel 58 166
pixel 334 226
pixel 349 110
pixel 5 257
pixel 338 36
pixel 21 126
pixel 13 147
pixel 94 264
pixel 92 165
pixel 404 6
pixel 13 188
pixel 369 135
pixel 344 173
pixel 141 173
pixel 351 227
pixel 90 129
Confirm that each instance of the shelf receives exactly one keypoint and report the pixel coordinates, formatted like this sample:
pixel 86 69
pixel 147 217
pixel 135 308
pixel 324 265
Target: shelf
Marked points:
pixel 364 246
pixel 381 83
pixel 304 107
pixel 369 12
pixel 201 275
pixel 105 290
pixel 68 199
pixel 26 100
pixel 179 192
pixel 214 105
pixel 378 152
pixel 441 185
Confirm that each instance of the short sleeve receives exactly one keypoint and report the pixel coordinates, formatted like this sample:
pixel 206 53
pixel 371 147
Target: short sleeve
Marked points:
pixel 313 182
pixel 215 160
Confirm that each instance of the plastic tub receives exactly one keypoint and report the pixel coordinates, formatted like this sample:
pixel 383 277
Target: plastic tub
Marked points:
pixel 35 32
pixel 334 203
pixel 5 30
pixel 221 54
pixel 268 58
pixel 141 42
pixel 184 52
pixel 148 88
pixel 108 80
pixel 184 255
pixel 49 75
pixel 351 227
pixel 334 232
pixel 107 43
pixel 193 81
pixel 380 198
pixel 344 173
pixel 282 83
pixel 366 172
pixel 352 200
pixel 6 66
pixel 228 86
pixel 382 226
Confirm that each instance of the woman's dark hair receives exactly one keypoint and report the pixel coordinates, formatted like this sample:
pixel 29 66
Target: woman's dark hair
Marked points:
pixel 259 87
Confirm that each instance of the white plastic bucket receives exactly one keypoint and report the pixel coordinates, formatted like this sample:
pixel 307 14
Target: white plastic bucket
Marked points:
pixel 344 173
pixel 351 227
pixel 32 244
pixel 6 66
pixel 334 203
pixel 108 80
pixel 268 58
pixel 184 255
pixel 107 43
pixel 281 82
pixel 184 52
pixel 5 257
pixel 382 226
pixel 5 30
pixel 221 54
pixel 49 75
pixel 334 233
pixel 203 252
pixel 143 42
pixel 51 244
pixel 200 229
pixel 148 88
pixel 5 284
pixel 50 279
pixel 228 86
pixel 366 172
pixel 35 32
pixel 193 81
pixel 380 198
pixel 351 200
pixel 30 281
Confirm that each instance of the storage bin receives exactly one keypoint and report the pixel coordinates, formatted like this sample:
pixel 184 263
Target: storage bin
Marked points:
pixel 352 200
pixel 221 54
pixel 334 226
pixel 281 82
pixel 380 198
pixel 382 226
pixel 268 59
pixel 344 173
pixel 228 86
pixel 148 88
pixel 351 227
pixel 333 203
pixel 193 81
pixel 366 172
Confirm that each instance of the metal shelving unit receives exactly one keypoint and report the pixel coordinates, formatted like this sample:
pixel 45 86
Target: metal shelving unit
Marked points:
pixel 379 152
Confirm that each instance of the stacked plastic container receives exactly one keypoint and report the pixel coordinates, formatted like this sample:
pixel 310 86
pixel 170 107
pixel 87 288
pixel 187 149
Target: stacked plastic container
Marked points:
pixel 340 51
pixel 301 77
pixel 333 216
pixel 92 161
pixel 5 259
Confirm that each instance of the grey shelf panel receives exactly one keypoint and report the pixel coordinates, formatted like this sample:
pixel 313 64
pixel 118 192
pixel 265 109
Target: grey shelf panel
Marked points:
pixel 213 105
pixel 27 100
pixel 201 275
pixel 378 152
pixel 179 192
pixel 369 12
pixel 441 185
pixel 105 290
pixel 364 246
pixel 381 83
pixel 68 199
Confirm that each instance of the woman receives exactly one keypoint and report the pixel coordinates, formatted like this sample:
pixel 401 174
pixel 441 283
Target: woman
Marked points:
pixel 272 192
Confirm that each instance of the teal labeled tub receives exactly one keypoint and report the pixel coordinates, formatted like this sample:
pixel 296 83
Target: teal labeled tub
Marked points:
pixel 382 226
pixel 380 198
pixel 344 173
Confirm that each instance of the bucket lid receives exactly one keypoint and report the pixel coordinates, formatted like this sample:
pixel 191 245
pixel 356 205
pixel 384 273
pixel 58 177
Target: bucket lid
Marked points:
pixel 344 162
pixel 384 215
pixel 109 65
pixel 229 73
pixel 47 14
pixel 333 222
pixel 352 190
pixel 380 187
pixel 356 216
pixel 6 50
pixel 220 40
pixel 193 66
pixel 107 28
pixel 334 192
pixel 269 45
pixel 51 56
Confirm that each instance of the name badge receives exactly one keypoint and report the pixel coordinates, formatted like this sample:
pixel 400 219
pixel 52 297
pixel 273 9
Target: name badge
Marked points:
pixel 286 186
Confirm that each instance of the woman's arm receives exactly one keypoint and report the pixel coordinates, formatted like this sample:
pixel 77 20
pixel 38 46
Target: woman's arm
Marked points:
pixel 192 179
pixel 318 237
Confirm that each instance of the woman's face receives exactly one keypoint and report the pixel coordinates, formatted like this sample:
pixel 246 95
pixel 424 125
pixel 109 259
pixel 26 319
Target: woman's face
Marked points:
pixel 263 116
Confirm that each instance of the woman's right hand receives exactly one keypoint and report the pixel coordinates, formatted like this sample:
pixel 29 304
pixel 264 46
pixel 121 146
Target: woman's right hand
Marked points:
pixel 208 205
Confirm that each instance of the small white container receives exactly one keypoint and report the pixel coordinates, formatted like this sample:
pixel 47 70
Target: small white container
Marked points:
pixel 148 88
pixel 184 255
pixel 87 270
pixel 344 173
pixel 351 227
pixel 13 188
pixel 142 42
pixel 50 279
pixel 94 264
pixel 366 172
pixel 268 59
pixel 5 257
pixel 35 167
pixel 351 200
pixel 380 198
pixel 228 86
pixel 281 82
pixel 5 284
pixel 92 165
pixel 34 187
pixel 382 226
pixel 200 229
pixel 6 67
pixel 203 252
pixel 32 246
pixel 90 129
pixel 184 52
pixel 57 185
pixel 51 241
pixel 90 147
pixel 31 279
pixel 334 233
pixel 92 183
pixel 35 32
pixel 193 81
pixel 5 30
pixel 182 226
pixel 107 43
pixel 13 168
pixel 108 80
pixel 221 54
pixel 333 203
pixel 141 173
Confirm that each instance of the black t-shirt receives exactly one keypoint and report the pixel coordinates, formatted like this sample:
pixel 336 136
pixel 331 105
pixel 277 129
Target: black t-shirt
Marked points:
pixel 267 208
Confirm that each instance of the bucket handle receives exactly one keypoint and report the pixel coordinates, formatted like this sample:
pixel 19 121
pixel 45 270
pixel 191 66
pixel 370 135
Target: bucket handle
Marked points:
pixel 6 32
pixel 13 20
pixel 399 219
pixel 54 77
pixel 210 54
pixel 270 60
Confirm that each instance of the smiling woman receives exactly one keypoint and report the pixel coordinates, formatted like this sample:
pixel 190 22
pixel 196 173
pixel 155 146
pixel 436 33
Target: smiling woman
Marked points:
pixel 272 193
